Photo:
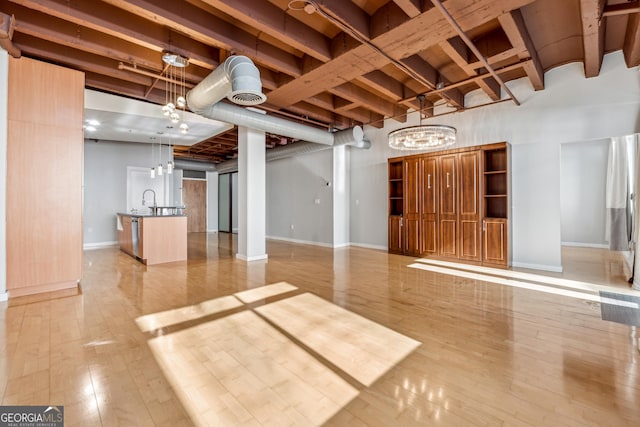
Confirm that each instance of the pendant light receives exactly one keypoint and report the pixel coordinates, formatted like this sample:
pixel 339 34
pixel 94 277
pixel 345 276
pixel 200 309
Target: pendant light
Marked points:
pixel 422 137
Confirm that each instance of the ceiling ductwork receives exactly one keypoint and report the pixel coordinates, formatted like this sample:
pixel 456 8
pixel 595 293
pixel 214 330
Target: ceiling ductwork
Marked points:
pixel 277 153
pixel 238 79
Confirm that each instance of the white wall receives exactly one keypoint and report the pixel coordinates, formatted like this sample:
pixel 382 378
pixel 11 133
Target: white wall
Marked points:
pixel 212 201
pixel 299 203
pixel 570 109
pixel 4 96
pixel 582 192
pixel 535 177
pixel 105 186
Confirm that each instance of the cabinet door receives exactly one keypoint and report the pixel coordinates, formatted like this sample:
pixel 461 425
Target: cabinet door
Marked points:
pixel 395 234
pixel 469 211
pixel 429 214
pixel 495 249
pixel 412 196
pixel 448 206
pixel 126 244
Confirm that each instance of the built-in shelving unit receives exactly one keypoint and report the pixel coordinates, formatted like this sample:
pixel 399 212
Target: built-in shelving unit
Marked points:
pixel 496 223
pixel 396 187
pixel 396 205
pixel 452 204
pixel 495 183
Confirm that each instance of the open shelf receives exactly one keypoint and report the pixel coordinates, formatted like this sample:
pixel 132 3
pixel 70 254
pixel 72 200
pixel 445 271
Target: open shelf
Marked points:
pixel 396 187
pixel 495 183
pixel 495 160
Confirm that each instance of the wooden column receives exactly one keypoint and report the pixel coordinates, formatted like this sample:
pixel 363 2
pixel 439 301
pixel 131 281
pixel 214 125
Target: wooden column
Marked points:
pixel 44 177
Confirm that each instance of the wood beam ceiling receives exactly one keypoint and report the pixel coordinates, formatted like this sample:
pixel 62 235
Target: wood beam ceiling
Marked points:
pixel 350 62
pixel 592 35
pixel 514 27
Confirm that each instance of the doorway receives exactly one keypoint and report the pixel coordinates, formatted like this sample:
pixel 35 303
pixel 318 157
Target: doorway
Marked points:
pixel 194 195
pixel 228 202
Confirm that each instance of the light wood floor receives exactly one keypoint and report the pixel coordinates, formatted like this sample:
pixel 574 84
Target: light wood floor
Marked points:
pixel 344 338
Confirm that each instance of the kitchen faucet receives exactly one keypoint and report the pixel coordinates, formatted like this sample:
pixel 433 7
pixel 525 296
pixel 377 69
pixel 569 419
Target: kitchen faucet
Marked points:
pixel 154 196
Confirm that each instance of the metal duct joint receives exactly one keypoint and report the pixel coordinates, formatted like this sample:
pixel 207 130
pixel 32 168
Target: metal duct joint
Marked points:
pixel 7 25
pixel 237 78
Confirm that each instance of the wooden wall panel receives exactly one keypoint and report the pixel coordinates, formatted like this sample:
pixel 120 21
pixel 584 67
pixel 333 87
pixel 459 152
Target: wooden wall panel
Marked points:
pixel 44 177
pixel 194 195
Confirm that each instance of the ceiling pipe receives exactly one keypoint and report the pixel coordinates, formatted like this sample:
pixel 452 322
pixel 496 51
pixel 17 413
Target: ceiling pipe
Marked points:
pixel 7 25
pixel 291 150
pixel 238 79
pixel 277 153
pixel 474 49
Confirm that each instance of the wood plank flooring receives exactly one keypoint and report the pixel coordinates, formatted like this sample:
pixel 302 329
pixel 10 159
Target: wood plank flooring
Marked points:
pixel 173 344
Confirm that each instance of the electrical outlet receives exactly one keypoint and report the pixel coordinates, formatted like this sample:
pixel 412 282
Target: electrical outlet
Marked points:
pixel 292 226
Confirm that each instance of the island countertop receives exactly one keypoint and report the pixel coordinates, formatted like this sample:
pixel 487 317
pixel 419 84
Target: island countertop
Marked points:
pixel 148 215
pixel 153 239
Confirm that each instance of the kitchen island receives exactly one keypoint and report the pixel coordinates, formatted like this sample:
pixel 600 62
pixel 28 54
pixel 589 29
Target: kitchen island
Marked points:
pixel 153 239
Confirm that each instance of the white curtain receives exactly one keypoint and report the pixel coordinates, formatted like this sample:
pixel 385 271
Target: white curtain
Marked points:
pixel 617 195
pixel 634 141
pixel 623 222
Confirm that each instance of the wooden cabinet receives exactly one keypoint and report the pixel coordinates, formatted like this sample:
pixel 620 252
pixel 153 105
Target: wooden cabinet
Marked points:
pixel 124 234
pixel 396 244
pixel 396 205
pixel 448 206
pixel 452 204
pixel 495 248
pixel 429 214
pixel 469 212
pixel 412 196
pixel 496 225
pixel 45 144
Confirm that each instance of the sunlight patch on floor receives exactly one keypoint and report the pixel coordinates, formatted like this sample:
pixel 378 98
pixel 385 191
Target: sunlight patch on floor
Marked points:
pixel 166 318
pixel 263 292
pixel 239 369
pixel 363 349
pixel 557 281
pixel 585 294
pixel 248 368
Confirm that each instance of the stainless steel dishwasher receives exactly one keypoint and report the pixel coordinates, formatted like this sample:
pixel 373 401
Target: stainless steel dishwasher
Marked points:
pixel 135 236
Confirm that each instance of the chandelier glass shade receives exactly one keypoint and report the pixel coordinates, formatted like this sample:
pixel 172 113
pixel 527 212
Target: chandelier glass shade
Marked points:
pixel 422 137
pixel 175 101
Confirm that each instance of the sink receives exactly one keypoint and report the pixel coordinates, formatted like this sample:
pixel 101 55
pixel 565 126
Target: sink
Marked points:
pixel 166 210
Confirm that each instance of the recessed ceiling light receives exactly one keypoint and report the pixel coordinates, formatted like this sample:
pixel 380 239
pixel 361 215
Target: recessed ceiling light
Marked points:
pixel 93 122
pixel 90 128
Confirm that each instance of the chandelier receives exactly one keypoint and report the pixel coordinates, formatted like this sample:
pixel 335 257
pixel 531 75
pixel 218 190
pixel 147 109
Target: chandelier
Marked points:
pixel 175 101
pixel 422 137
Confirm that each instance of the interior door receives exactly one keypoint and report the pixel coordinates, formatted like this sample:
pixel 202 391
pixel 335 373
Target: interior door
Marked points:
pixel 429 214
pixel 194 195
pixel 448 206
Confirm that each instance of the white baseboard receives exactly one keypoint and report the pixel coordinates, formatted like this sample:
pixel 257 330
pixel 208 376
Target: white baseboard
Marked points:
pixel 252 258
pixel 99 245
pixel 212 231
pixel 341 245
pixel 368 246
pixel 4 296
pixel 303 242
pixel 543 267
pixel 586 245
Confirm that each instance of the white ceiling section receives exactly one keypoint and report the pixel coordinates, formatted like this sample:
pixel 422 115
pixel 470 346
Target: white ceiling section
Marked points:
pixel 125 119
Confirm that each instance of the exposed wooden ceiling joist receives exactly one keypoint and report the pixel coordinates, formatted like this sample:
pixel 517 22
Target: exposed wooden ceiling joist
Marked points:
pixel 592 35
pixel 349 62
